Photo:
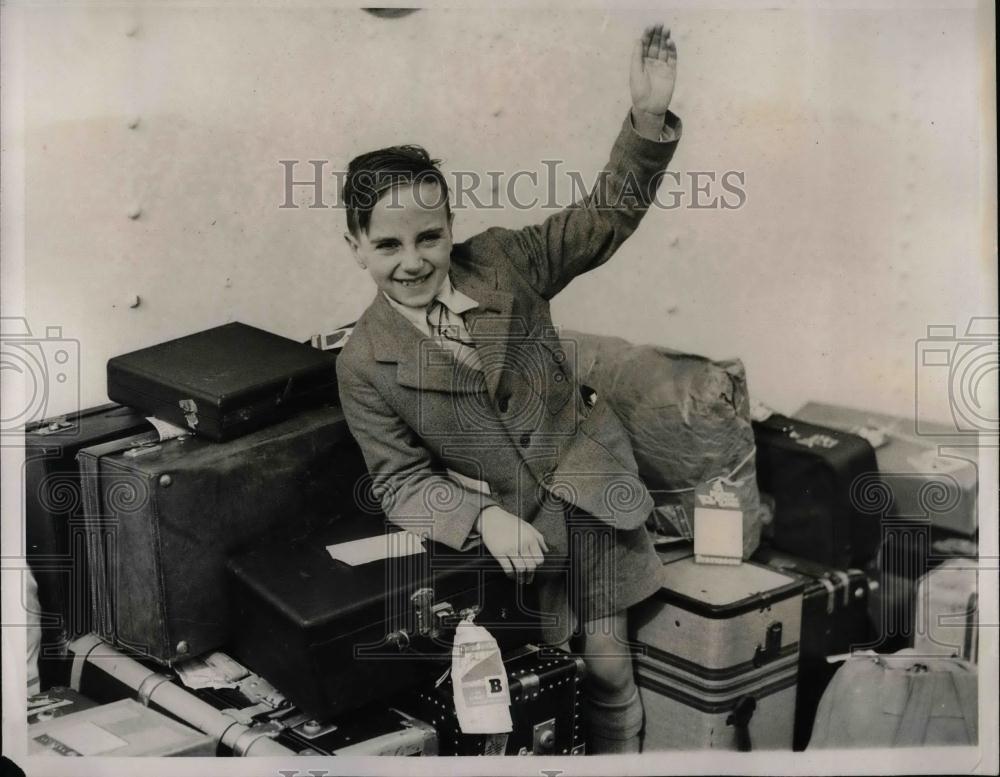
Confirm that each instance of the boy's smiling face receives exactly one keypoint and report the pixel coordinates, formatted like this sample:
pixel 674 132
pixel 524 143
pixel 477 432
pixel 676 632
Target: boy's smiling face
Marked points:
pixel 407 248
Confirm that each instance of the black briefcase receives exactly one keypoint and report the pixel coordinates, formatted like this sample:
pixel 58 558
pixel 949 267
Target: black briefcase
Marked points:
pixel 162 518
pixel 835 621
pixel 55 544
pixel 333 637
pixel 825 485
pixel 223 382
pixel 545 708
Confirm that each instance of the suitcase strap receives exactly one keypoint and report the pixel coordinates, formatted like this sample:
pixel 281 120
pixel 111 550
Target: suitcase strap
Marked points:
pixel 739 719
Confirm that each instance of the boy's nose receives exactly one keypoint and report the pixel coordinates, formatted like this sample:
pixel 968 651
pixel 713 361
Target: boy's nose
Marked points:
pixel 412 263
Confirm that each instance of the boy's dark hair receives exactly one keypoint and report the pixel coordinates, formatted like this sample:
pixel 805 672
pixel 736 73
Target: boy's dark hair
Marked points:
pixel 371 175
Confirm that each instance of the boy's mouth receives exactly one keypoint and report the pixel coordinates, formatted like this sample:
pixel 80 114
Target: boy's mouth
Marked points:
pixel 412 282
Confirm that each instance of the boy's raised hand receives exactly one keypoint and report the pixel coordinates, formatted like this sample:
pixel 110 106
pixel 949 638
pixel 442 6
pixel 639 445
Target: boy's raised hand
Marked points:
pixel 653 73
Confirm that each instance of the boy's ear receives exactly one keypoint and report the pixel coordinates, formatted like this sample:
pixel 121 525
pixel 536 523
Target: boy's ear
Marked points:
pixel 354 245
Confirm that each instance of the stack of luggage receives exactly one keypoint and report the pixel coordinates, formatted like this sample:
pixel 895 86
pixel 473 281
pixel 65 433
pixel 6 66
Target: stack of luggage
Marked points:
pixel 192 547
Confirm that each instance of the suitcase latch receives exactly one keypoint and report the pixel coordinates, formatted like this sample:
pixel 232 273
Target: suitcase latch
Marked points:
pixel 433 618
pixel 771 647
pixel 50 427
pixel 543 737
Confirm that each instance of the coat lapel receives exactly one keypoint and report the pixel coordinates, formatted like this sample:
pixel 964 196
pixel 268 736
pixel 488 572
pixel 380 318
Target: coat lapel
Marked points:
pixel 422 363
pixel 425 364
pixel 491 325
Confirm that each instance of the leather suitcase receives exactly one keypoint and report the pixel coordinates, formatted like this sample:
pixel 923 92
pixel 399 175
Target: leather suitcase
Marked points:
pixel 55 544
pixel 924 483
pixel 375 730
pixel 716 657
pixel 835 621
pixel 334 637
pixel 223 382
pixel 819 479
pixel 163 517
pixel 545 699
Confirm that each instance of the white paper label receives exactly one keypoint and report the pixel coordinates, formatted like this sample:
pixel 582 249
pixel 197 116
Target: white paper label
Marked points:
pixel 377 548
pixel 479 681
pixel 718 525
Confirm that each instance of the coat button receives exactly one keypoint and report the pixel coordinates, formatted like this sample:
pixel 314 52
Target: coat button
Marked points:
pixel 503 404
pixel 525 440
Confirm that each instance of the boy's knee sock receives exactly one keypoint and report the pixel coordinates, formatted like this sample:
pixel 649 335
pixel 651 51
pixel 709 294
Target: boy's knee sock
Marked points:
pixel 614 727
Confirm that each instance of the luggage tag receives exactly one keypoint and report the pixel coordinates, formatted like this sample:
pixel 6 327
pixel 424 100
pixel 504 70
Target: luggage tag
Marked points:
pixel 479 682
pixel 718 524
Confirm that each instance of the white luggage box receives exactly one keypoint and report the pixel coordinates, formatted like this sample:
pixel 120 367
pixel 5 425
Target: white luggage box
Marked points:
pixel 717 657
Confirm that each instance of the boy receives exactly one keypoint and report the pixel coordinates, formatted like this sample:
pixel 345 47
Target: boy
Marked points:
pixel 455 372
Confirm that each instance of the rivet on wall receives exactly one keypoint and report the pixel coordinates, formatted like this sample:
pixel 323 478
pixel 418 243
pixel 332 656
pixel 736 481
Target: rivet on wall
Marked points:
pixel 132 28
pixel 135 302
pixel 134 212
pixel 133 122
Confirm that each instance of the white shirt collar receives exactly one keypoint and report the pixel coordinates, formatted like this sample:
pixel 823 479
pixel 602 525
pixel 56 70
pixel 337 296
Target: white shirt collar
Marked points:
pixel 449 296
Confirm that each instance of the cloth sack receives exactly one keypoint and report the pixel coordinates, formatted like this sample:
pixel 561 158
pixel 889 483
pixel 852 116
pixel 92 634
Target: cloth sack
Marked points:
pixel 903 699
pixel 688 418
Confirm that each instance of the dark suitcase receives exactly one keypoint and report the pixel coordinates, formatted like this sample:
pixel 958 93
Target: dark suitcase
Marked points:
pixel 821 480
pixel 924 483
pixel 163 517
pixel 835 621
pixel 375 730
pixel 223 382
pixel 545 708
pixel 334 637
pixel 716 657
pixel 55 544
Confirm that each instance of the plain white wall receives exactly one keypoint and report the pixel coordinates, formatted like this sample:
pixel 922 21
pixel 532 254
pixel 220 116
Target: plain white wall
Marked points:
pixel 859 133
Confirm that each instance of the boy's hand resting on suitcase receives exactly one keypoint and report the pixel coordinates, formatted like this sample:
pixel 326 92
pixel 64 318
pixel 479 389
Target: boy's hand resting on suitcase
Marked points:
pixel 517 545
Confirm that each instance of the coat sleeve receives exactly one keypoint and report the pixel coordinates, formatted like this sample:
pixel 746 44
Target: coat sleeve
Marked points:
pixel 586 234
pixel 415 492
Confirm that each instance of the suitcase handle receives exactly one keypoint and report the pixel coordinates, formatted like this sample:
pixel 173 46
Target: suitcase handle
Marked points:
pixel 739 719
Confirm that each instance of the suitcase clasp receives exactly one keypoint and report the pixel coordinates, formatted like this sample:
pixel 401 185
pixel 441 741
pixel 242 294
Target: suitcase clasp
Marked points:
pixel 433 618
pixel 771 647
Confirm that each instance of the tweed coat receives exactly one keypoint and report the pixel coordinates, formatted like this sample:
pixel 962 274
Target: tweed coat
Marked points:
pixel 428 425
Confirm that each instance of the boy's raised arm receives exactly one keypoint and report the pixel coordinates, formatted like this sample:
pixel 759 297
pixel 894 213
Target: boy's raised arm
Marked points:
pixel 587 233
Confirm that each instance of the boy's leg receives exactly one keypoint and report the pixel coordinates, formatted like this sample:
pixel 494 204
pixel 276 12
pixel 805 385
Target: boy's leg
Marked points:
pixel 614 710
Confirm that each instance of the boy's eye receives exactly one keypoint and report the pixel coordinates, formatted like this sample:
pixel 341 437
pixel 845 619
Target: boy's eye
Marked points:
pixel 388 245
pixel 430 238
